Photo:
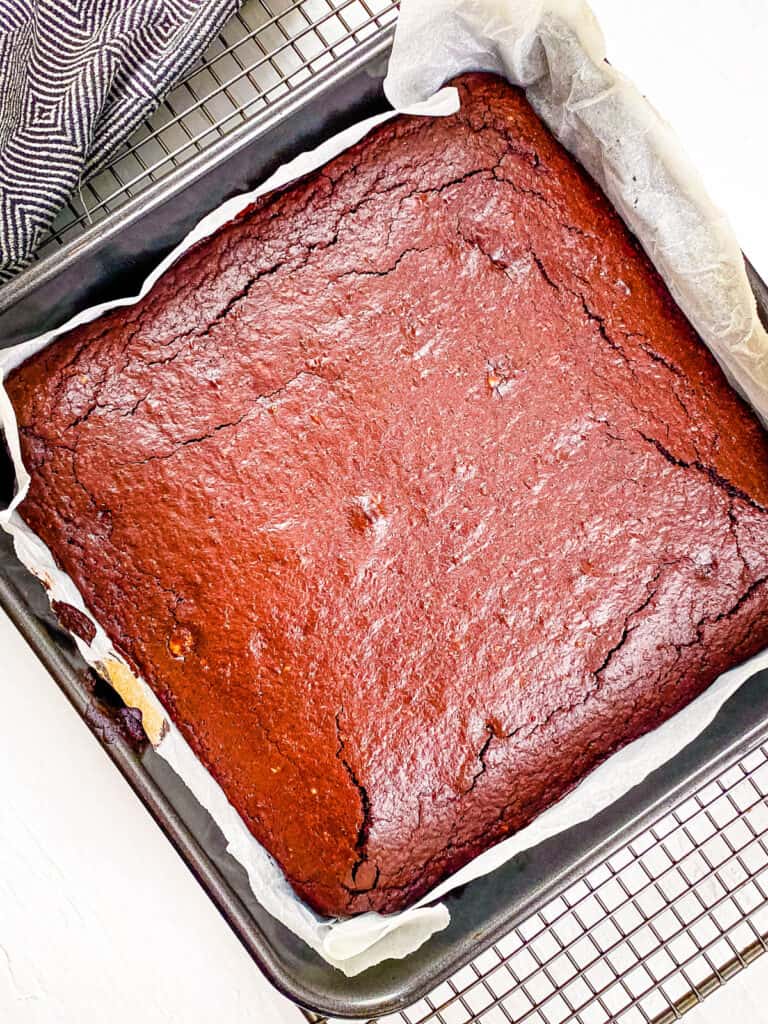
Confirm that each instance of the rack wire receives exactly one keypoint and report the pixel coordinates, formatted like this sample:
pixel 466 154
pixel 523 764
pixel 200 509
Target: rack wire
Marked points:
pixel 646 935
pixel 656 927
pixel 266 50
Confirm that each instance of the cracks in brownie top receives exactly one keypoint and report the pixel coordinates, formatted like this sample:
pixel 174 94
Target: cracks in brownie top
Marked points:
pixel 633 617
pixel 456 845
pixel 227 425
pixel 301 256
pixel 361 841
pixel 493 731
pixel 709 471
pixel 288 264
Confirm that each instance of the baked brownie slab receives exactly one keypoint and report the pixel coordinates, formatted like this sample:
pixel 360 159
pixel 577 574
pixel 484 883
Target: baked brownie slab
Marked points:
pixel 412 495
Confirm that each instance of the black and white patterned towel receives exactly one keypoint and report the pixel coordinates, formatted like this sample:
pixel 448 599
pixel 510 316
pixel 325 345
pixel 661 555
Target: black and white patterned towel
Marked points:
pixel 76 77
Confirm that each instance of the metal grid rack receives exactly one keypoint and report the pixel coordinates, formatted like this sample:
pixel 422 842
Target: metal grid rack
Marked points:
pixel 646 935
pixel 654 929
pixel 266 50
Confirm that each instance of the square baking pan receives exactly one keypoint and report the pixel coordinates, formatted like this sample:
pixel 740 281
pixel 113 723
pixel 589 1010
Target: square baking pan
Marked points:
pixel 111 259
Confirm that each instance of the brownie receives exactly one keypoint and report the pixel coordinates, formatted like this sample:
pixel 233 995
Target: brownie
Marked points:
pixel 74 621
pixel 412 495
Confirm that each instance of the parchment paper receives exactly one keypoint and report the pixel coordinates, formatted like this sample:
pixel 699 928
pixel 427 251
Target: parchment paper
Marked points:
pixel 555 50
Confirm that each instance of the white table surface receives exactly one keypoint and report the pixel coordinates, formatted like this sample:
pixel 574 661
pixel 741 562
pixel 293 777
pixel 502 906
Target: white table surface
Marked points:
pixel 99 919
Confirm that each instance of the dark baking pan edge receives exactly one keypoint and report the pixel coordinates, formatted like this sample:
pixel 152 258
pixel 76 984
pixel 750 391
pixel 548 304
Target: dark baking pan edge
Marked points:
pixel 127 246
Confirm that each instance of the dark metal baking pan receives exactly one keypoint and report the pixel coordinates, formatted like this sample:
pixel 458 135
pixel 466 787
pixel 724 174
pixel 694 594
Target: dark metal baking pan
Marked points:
pixel 112 259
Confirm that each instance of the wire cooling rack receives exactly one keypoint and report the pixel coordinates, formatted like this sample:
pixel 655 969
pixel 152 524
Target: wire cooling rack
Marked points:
pixel 654 929
pixel 646 935
pixel 264 52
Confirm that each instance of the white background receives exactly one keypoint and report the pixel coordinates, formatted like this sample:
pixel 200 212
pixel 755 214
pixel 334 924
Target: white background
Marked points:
pixel 99 919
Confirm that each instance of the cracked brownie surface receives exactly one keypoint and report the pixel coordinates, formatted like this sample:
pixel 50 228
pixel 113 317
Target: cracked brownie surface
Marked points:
pixel 412 495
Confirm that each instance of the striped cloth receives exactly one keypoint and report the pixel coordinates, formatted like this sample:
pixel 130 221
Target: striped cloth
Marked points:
pixel 76 77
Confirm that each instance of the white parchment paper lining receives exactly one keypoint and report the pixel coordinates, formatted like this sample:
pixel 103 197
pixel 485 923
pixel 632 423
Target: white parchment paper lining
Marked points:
pixel 554 49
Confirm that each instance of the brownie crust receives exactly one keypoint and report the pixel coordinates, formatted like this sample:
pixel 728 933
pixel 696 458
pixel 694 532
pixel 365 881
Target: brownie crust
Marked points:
pixel 412 495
